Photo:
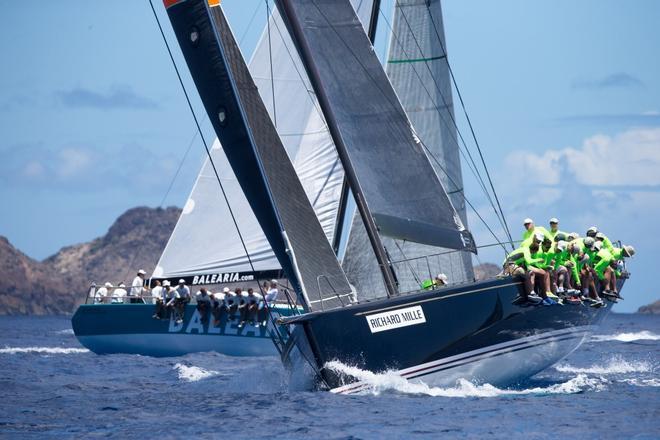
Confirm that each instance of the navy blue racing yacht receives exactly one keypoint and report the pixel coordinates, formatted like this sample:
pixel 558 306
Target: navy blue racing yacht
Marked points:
pixel 371 315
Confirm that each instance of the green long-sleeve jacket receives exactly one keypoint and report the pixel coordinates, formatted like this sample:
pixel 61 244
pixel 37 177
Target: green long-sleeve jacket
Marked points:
pixel 604 257
pixel 607 244
pixel 522 257
pixel 528 235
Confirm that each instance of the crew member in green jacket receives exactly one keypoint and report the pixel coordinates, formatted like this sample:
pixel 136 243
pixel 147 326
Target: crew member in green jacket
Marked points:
pixel 530 230
pixel 554 229
pixel 582 272
pixel 607 244
pixel 546 253
pixel 521 263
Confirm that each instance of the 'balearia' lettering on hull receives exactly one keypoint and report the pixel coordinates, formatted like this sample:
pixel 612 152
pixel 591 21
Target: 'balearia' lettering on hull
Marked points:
pixel 395 319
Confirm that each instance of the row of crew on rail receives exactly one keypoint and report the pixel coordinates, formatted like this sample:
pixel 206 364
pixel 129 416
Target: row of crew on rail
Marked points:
pixel 246 306
pixel 564 268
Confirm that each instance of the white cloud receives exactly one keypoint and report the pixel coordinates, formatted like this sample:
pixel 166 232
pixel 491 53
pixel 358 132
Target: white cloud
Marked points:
pixel 629 158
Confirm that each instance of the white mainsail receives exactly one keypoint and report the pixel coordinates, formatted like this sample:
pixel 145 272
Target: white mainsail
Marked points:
pixel 205 240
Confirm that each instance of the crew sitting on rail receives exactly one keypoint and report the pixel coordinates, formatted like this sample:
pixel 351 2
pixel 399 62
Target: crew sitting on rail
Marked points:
pixel 232 302
pixel 250 307
pixel 119 293
pixel 530 230
pixel 166 294
pixel 564 267
pixel 181 298
pixel 519 262
pixel 219 305
pixel 203 304
pixel 272 292
pixel 156 292
pixel 554 229
pixel 102 293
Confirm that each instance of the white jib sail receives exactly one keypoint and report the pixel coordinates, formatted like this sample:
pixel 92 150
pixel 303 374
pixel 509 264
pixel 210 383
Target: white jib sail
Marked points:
pixel 205 240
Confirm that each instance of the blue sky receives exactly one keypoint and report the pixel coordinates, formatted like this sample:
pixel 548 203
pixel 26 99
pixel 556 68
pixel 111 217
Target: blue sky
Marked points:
pixel 564 96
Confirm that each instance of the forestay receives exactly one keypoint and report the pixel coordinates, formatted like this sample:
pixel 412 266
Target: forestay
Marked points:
pixel 401 188
pixel 256 154
pixel 204 246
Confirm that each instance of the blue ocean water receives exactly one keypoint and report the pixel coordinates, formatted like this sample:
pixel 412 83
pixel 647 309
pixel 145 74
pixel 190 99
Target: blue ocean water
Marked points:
pixel 52 387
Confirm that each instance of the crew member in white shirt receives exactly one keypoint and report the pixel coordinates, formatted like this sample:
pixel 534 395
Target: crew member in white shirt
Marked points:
pixel 137 287
pixel 102 293
pixel 219 305
pixel 203 303
pixel 119 293
pixel 250 308
pixel 182 298
pixel 158 294
pixel 233 302
pixel 271 295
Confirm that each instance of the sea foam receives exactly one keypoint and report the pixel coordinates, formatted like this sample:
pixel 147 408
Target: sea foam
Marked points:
pixel 644 335
pixel 42 350
pixel 616 365
pixel 193 373
pixel 392 382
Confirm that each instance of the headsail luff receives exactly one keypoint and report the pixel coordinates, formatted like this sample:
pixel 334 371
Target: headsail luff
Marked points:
pixel 256 154
pixel 402 190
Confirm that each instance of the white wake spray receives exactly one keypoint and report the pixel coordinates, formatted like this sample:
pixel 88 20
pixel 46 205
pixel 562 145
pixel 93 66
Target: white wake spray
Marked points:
pixel 376 384
pixel 616 365
pixel 644 335
pixel 193 373
pixel 42 350
pixel 66 331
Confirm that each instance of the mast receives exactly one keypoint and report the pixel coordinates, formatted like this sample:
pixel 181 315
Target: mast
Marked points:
pixel 372 232
pixel 343 198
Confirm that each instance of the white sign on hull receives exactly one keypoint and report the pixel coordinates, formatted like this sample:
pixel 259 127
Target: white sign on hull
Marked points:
pixel 395 319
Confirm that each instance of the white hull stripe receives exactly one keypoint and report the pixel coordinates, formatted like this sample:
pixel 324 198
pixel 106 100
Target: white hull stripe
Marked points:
pixel 477 355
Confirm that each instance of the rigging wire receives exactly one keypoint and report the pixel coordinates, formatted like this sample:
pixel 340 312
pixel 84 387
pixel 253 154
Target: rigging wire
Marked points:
pixel 231 212
pixel 451 116
pixel 467 117
pixel 270 60
pixel 366 71
pixel 208 153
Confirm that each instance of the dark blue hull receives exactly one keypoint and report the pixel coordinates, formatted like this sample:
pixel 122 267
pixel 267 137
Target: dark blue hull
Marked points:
pixel 471 331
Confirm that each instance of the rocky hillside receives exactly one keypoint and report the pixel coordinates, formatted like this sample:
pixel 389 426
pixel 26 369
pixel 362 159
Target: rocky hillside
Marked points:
pixel 59 283
pixel 485 271
pixel 650 309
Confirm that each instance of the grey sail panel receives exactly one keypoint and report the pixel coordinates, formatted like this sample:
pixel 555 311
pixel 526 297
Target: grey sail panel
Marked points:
pixel 403 192
pixel 418 71
pixel 256 154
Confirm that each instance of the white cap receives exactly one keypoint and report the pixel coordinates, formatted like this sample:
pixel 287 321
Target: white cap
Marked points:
pixel 527 221
pixel 108 285
pixel 273 281
pixel 166 283
pixel 561 245
pixel 141 272
pixel 600 236
pixel 182 281
pixel 442 277
pixel 122 285
pixel 554 220
pixel 539 236
pixel 225 290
